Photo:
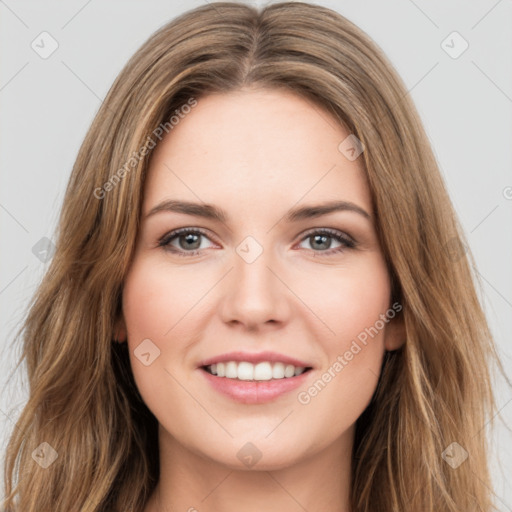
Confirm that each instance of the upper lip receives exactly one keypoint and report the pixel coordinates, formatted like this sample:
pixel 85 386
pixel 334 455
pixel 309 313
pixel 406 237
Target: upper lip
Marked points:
pixel 254 357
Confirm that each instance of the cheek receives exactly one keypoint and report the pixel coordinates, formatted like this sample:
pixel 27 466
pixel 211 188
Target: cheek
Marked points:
pixel 351 306
pixel 349 300
pixel 154 299
pixel 152 305
pixel 163 305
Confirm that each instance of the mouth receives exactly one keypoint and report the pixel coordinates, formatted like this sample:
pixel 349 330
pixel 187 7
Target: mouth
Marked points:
pixel 260 383
pixel 263 371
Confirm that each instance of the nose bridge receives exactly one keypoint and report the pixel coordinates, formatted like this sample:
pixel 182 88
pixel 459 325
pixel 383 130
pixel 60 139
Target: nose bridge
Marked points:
pixel 254 294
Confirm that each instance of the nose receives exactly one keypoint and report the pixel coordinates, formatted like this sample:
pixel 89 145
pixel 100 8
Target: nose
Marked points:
pixel 254 294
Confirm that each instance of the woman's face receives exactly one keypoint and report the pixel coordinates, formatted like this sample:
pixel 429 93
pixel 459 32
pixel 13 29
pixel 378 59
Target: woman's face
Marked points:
pixel 277 281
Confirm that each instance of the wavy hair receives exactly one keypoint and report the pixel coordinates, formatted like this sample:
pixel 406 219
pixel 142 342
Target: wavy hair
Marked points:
pixel 433 391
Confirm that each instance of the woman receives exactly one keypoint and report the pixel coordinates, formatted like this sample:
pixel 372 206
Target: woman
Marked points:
pixel 258 370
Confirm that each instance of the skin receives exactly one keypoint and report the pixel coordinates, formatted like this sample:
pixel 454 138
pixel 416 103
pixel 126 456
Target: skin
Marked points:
pixel 256 153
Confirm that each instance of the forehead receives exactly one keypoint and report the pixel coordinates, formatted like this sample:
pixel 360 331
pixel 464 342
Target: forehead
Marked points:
pixel 266 147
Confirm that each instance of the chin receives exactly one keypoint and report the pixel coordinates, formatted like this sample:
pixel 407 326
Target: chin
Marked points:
pixel 257 455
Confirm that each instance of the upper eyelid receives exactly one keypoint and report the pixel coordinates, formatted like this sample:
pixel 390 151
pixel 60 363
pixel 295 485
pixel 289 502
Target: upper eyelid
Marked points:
pixel 175 232
pixel 329 231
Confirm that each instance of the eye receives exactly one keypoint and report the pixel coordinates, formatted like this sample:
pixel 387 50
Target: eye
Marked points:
pixel 189 241
pixel 322 240
pixel 186 239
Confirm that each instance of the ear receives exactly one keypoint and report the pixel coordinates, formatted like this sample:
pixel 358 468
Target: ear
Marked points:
pixel 120 334
pixel 394 333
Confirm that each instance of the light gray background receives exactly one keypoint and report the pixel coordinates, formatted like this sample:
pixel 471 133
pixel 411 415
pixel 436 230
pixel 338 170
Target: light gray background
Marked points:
pixel 48 104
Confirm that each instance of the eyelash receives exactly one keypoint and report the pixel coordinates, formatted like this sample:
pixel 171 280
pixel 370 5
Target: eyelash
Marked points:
pixel 348 242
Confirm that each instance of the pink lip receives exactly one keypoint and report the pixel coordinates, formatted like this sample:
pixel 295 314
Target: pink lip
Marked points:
pixel 254 392
pixel 254 358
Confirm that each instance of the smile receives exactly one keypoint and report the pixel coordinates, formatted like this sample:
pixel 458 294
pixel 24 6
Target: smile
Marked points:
pixel 262 389
pixel 264 371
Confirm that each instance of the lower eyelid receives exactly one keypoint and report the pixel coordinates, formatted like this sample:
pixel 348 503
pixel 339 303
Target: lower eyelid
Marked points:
pixel 345 241
pixel 340 237
pixel 165 241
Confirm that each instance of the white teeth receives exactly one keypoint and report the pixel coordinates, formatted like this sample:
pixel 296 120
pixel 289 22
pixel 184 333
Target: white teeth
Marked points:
pixel 289 370
pixel 278 371
pixel 260 371
pixel 231 370
pixel 245 371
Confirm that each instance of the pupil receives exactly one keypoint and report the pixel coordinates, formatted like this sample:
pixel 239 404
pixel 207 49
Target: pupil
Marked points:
pixel 190 239
pixel 323 239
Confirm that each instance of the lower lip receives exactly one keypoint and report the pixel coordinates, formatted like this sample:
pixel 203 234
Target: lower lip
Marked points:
pixel 254 392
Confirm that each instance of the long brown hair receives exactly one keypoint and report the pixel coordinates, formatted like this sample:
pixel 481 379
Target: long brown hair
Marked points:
pixel 83 402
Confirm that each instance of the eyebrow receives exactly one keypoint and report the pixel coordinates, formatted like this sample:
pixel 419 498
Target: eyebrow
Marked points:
pixel 212 212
